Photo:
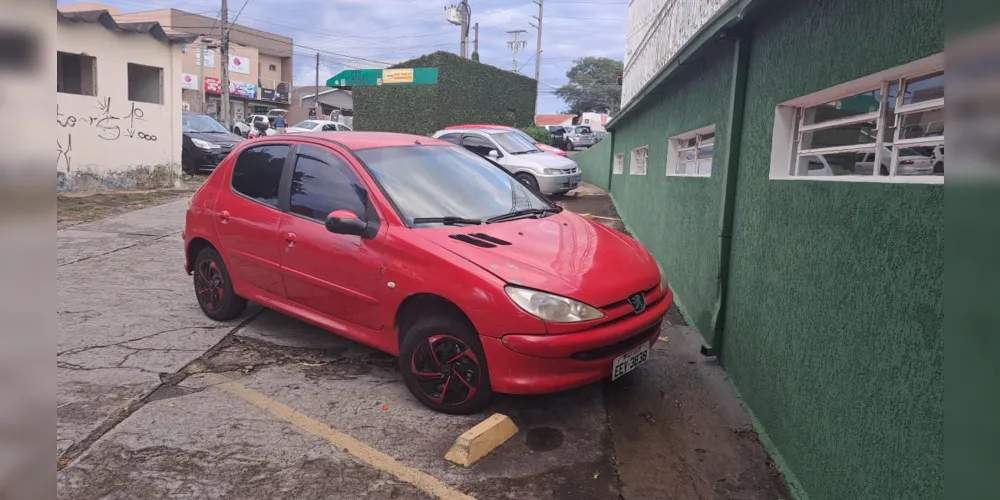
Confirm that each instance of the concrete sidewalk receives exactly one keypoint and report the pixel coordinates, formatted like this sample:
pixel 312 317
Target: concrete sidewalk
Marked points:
pixel 141 416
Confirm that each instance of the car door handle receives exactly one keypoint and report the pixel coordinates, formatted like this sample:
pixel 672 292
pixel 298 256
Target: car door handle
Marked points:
pixel 290 238
pixel 224 215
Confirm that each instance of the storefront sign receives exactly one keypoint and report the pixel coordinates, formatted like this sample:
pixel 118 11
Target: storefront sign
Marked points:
pixel 239 64
pixel 239 89
pixel 189 81
pixel 209 58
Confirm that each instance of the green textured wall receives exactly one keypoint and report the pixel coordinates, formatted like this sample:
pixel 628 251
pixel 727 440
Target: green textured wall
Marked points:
pixel 677 217
pixel 466 92
pixel 835 320
pixel 595 163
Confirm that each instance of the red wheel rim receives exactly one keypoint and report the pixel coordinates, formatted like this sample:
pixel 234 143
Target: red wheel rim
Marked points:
pixel 208 284
pixel 446 369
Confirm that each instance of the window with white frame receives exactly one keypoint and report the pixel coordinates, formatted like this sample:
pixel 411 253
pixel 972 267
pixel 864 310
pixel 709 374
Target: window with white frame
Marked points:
pixel 639 160
pixel 619 165
pixel 885 128
pixel 690 154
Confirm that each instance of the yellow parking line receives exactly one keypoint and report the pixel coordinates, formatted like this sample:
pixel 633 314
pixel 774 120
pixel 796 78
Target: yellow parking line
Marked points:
pixel 358 449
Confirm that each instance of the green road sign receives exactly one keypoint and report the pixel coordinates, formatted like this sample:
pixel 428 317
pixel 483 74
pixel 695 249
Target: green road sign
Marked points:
pixel 378 77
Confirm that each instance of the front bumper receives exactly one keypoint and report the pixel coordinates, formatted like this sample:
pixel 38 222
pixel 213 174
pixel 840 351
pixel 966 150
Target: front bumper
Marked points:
pixel 549 184
pixel 203 159
pixel 542 364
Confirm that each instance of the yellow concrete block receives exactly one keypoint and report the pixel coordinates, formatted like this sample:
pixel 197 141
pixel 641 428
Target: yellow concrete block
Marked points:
pixel 479 441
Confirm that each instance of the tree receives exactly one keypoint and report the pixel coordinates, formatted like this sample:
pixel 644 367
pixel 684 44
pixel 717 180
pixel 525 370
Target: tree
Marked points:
pixel 592 86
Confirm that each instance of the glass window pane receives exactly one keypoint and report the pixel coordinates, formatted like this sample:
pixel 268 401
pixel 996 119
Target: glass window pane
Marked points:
pixel 257 172
pixel 847 135
pixel 924 88
pixel 708 139
pixel 922 124
pixel 706 150
pixel 689 143
pixel 859 104
pixel 322 183
pixel 446 181
pixel 833 164
pixel 687 167
pixel 923 160
pixel 705 166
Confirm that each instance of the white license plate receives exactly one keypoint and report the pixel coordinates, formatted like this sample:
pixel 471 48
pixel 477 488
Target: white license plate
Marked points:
pixel 630 360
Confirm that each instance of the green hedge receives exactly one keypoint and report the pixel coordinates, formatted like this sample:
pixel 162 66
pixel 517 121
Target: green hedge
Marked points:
pixel 540 134
pixel 466 92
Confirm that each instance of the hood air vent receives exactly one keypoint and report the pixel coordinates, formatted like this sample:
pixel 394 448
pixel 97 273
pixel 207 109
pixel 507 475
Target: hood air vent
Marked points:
pixel 495 241
pixel 479 239
pixel 472 241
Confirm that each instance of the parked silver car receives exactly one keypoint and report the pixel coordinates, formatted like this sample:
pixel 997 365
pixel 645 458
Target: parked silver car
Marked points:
pixel 579 136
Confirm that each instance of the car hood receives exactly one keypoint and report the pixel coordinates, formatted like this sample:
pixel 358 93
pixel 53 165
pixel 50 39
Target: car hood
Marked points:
pixel 222 139
pixel 545 160
pixel 564 254
pixel 549 149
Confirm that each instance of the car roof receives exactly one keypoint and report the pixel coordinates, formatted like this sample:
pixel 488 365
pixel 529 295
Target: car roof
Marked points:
pixel 478 126
pixel 480 130
pixel 367 140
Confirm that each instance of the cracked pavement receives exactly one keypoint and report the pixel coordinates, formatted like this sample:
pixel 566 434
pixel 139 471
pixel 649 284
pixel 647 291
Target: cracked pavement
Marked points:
pixel 137 417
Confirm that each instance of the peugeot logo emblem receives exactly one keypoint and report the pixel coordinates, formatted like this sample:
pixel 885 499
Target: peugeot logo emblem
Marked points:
pixel 638 302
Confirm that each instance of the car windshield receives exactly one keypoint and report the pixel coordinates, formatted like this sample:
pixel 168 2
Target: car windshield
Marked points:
pixel 193 123
pixel 447 181
pixel 306 124
pixel 583 130
pixel 516 144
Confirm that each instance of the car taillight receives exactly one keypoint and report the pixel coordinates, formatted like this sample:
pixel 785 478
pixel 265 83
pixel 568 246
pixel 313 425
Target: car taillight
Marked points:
pixel 906 162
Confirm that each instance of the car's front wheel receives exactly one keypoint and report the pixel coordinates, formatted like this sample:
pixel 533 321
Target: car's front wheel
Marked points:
pixel 528 180
pixel 444 366
pixel 214 288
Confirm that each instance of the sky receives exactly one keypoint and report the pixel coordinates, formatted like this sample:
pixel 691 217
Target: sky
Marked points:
pixel 375 33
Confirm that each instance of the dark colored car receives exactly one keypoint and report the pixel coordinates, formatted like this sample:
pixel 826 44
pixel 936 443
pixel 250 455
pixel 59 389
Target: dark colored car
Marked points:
pixel 558 136
pixel 206 142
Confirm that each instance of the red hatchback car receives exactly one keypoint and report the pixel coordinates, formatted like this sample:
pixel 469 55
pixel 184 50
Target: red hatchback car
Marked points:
pixel 421 249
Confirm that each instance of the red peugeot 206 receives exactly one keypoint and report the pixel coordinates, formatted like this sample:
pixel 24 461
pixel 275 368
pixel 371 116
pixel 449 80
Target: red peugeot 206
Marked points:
pixel 421 249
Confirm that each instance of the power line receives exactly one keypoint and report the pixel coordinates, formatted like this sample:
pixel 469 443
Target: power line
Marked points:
pixel 231 23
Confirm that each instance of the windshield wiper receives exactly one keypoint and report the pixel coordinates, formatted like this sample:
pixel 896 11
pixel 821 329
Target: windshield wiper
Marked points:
pixel 448 220
pixel 524 213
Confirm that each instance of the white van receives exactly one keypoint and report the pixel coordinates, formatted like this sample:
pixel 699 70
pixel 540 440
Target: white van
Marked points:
pixel 544 172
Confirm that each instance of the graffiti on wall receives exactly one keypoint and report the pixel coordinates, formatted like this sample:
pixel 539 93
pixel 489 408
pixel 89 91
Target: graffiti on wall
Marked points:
pixel 103 122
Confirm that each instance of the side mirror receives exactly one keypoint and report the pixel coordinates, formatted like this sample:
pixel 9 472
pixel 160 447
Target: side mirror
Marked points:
pixel 345 222
pixel 493 154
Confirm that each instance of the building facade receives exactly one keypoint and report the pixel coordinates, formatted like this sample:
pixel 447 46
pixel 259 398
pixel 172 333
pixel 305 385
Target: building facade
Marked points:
pixel 118 103
pixel 260 64
pixel 784 161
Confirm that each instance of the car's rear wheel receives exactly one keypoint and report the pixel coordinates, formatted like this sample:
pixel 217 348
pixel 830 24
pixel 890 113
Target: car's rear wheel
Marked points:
pixel 444 366
pixel 569 145
pixel 528 180
pixel 214 288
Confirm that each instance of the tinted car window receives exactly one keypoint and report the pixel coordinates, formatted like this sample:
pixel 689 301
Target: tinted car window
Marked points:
pixel 323 182
pixel 438 181
pixel 452 138
pixel 257 173
pixel 478 145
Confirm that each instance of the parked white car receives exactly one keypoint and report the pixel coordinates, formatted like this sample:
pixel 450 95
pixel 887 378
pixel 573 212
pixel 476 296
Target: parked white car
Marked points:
pixel 244 127
pixel 317 126
pixel 544 172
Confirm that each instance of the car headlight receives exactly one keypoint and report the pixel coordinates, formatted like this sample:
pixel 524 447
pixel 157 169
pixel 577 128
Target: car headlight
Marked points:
pixel 552 171
pixel 663 278
pixel 204 144
pixel 551 308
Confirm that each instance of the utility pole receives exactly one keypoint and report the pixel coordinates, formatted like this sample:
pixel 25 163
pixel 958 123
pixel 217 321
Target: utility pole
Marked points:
pixel 466 17
pixel 201 74
pixel 227 117
pixel 516 45
pixel 475 44
pixel 316 96
pixel 538 51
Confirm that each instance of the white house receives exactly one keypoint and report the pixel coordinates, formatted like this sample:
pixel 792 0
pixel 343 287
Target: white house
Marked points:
pixel 595 121
pixel 118 103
